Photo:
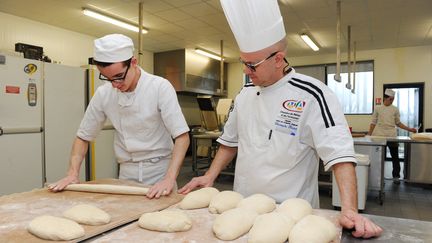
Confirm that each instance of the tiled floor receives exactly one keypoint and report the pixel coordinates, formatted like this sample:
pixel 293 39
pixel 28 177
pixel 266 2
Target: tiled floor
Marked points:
pixel 407 200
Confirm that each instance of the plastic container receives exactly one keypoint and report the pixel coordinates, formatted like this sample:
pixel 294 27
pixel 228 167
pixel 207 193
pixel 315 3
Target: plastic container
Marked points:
pixel 362 173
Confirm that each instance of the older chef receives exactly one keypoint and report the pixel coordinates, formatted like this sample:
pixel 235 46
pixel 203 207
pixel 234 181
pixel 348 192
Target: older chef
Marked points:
pixel 282 123
pixel 145 113
pixel 385 119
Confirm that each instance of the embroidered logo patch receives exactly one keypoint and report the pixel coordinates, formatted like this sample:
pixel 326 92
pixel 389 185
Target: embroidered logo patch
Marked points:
pixel 289 116
pixel 294 105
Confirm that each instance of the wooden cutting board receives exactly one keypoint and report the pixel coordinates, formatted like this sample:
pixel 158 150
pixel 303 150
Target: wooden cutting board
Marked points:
pixel 17 210
pixel 201 231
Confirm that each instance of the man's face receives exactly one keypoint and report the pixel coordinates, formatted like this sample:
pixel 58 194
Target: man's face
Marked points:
pixel 121 76
pixel 259 66
pixel 388 100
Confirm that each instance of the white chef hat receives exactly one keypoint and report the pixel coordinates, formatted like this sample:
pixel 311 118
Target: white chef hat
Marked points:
pixel 256 24
pixel 389 92
pixel 113 48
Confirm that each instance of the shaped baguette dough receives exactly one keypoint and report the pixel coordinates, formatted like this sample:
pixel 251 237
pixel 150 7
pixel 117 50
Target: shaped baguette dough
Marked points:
pixel 259 203
pixel 313 229
pixel 233 223
pixel 87 214
pixel 55 228
pixel 422 136
pixel 271 228
pixel 106 188
pixel 198 199
pixel 170 220
pixel 296 208
pixel 224 201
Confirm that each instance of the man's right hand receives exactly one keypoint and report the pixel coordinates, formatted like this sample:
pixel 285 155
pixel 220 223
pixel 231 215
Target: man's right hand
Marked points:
pixel 61 184
pixel 201 181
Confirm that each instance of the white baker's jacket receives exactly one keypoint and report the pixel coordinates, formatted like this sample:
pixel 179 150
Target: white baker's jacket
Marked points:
pixel 281 131
pixel 145 120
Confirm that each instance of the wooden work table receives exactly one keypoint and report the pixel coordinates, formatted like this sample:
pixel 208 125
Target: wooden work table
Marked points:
pixel 17 210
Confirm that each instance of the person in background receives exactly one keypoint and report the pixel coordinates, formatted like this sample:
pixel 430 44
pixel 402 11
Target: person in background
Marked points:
pixel 282 123
pixel 385 119
pixel 145 113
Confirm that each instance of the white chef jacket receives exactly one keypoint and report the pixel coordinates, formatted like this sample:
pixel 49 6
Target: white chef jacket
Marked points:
pixel 385 119
pixel 145 120
pixel 281 131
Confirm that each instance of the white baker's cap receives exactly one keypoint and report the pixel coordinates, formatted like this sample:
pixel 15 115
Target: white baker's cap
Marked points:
pixel 256 24
pixel 113 48
pixel 389 92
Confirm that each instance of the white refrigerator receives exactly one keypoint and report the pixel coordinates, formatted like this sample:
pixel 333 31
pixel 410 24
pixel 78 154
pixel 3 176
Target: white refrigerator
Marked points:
pixel 103 163
pixel 21 137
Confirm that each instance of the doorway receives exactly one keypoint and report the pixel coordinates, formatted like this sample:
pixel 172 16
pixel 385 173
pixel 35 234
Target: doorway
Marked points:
pixel 409 100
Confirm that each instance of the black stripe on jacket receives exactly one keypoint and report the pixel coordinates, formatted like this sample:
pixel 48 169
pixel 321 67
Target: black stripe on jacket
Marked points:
pixel 325 111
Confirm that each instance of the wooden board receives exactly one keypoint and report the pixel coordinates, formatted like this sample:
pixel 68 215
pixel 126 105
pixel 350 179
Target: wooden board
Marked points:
pixel 201 231
pixel 17 210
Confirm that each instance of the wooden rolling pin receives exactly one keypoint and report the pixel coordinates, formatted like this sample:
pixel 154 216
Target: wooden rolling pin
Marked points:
pixel 107 188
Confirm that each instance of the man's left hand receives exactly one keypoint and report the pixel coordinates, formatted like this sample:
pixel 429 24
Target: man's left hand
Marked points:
pixel 162 188
pixel 363 227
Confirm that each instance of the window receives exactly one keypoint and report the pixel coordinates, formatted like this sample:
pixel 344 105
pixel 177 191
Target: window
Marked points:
pixel 358 102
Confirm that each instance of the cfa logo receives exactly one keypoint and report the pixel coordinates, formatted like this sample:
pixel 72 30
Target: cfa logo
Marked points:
pixel 30 68
pixel 294 105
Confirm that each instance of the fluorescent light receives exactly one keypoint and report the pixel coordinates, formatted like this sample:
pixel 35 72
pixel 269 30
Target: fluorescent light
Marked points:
pixel 309 42
pixel 111 20
pixel 207 54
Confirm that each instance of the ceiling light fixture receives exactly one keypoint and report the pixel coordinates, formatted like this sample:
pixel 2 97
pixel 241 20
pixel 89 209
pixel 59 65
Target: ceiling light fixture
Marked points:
pixel 309 42
pixel 208 54
pixel 111 20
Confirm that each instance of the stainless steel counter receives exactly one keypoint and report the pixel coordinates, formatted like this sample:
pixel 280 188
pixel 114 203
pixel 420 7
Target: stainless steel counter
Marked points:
pixel 396 230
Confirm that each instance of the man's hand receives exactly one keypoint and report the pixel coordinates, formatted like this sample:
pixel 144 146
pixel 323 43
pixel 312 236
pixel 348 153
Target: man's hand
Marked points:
pixel 162 188
pixel 201 181
pixel 363 227
pixel 61 184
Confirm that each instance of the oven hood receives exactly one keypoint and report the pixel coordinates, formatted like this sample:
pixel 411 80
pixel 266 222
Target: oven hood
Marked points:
pixel 191 72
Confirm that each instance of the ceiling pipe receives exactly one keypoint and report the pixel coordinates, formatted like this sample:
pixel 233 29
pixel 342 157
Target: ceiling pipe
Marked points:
pixel 221 68
pixel 337 76
pixel 140 14
pixel 354 68
pixel 348 85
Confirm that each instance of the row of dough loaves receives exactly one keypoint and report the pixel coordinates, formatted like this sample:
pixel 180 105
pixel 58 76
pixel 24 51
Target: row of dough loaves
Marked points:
pixel 57 228
pixel 256 214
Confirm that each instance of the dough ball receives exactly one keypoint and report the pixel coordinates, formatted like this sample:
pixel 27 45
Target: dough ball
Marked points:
pixel 233 223
pixel 296 208
pixel 259 203
pixel 170 220
pixel 223 201
pixel 199 198
pixel 271 228
pixel 87 214
pixel 313 229
pixel 55 228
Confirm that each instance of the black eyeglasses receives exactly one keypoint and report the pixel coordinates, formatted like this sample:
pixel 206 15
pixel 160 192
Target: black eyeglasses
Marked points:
pixel 117 80
pixel 253 67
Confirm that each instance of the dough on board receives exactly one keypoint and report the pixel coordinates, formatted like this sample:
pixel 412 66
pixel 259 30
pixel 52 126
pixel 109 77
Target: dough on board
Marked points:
pixel 422 136
pixel 313 229
pixel 259 203
pixel 55 228
pixel 87 214
pixel 169 220
pixel 224 201
pixel 198 199
pixel 271 227
pixel 233 223
pixel 296 208
pixel 107 188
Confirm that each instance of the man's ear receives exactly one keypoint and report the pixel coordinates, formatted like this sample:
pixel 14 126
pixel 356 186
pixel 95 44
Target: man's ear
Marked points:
pixel 280 59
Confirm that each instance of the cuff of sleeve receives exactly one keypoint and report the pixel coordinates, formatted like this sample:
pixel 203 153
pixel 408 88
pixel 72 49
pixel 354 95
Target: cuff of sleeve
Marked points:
pixel 227 143
pixel 344 159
